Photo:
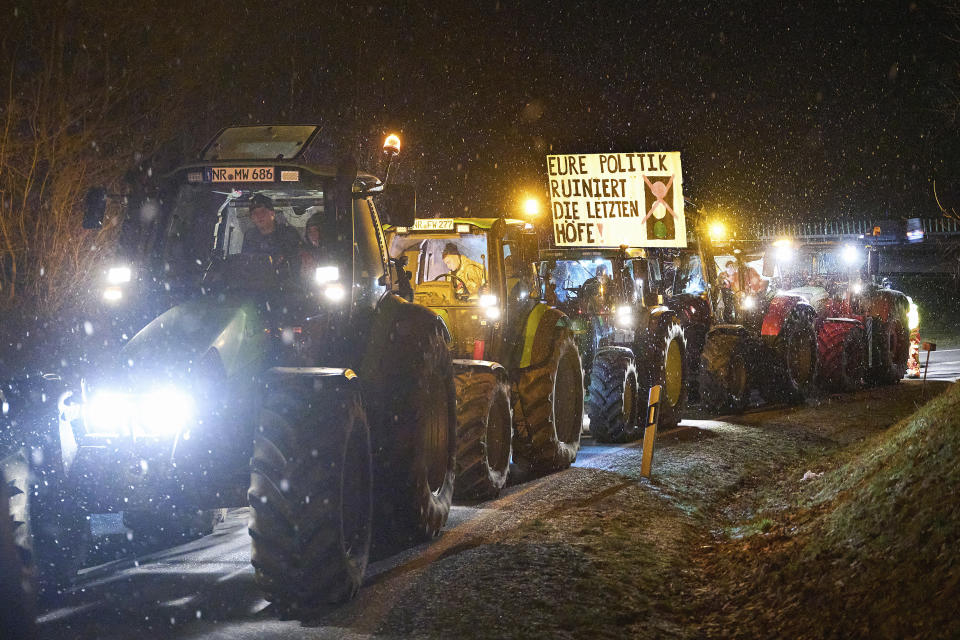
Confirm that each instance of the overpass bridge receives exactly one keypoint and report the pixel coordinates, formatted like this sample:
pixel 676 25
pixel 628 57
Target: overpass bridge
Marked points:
pixel 915 246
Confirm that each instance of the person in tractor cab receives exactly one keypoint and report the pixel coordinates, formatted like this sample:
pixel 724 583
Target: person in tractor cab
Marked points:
pixel 470 272
pixel 268 236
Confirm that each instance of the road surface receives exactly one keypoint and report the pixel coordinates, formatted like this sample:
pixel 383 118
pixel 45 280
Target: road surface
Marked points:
pixel 205 588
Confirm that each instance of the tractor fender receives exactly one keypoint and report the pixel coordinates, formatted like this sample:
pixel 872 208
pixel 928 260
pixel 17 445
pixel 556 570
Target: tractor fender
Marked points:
pixel 540 331
pixel 660 316
pixel 781 307
pixel 480 366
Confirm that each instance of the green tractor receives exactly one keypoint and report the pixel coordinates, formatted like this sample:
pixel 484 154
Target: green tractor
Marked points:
pixel 280 370
pixel 518 377
pixel 629 339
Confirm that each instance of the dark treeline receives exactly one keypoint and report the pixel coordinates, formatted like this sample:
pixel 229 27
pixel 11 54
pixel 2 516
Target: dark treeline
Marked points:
pixel 802 113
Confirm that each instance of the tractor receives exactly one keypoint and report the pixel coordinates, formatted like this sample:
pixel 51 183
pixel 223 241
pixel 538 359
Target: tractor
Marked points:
pixel 629 339
pixel 518 377
pixel 862 324
pixel 755 337
pixel 279 370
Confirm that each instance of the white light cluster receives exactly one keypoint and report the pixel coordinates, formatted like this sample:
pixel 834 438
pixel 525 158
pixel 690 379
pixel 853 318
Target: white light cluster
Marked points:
pixel 159 413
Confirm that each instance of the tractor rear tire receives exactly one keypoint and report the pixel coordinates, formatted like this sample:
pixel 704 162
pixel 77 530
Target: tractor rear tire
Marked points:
pixel 484 429
pixel 415 442
pixel 172 527
pixel 665 364
pixel 724 381
pixel 549 403
pixel 843 350
pixel 613 400
pixel 796 346
pixel 17 588
pixel 310 494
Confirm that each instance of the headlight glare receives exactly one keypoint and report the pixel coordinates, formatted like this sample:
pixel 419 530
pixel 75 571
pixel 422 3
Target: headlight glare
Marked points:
pixel 158 413
pixel 324 275
pixel 119 275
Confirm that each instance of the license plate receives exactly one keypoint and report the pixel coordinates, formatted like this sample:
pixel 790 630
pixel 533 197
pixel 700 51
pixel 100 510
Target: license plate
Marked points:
pixel 240 174
pixel 433 224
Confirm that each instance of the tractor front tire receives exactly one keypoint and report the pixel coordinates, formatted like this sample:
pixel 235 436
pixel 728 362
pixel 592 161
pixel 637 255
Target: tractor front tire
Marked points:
pixel 17 588
pixel 549 401
pixel 666 365
pixel 484 429
pixel 796 347
pixel 613 402
pixel 843 349
pixel 724 382
pixel 415 441
pixel 310 494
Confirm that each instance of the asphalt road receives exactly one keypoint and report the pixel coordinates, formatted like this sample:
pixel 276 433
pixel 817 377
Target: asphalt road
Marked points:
pixel 944 364
pixel 205 588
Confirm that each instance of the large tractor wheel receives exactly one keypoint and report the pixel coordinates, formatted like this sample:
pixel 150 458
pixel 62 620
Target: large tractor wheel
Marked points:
pixel 172 527
pixel 724 383
pixel 891 350
pixel 415 442
pixel 16 573
pixel 52 531
pixel 843 350
pixel 665 365
pixel 613 400
pixel 796 348
pixel 550 408
pixel 484 429
pixel 310 493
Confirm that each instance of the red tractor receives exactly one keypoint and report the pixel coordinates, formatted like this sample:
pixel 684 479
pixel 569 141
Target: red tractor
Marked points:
pixel 744 333
pixel 863 330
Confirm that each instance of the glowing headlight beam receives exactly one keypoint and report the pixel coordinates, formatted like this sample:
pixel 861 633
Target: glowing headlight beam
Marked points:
pixel 119 275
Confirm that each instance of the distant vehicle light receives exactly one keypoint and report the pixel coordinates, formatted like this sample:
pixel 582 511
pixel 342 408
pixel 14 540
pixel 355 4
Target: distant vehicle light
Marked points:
pixel 335 292
pixel 119 275
pixel 113 294
pixel 531 207
pixel 784 252
pixel 718 231
pixel 850 255
pixel 324 275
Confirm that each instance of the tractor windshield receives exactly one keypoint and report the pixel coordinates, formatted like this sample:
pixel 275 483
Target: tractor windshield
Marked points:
pixel 204 224
pixel 457 258
pixel 568 280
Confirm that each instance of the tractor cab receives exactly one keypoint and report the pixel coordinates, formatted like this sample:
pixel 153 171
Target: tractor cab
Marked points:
pixel 474 272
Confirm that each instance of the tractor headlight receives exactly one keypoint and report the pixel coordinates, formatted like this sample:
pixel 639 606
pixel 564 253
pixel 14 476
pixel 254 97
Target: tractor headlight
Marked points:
pixel 335 292
pixel 850 255
pixel 329 280
pixel 158 413
pixel 119 275
pixel 749 303
pixel 327 274
pixel 488 300
pixel 624 316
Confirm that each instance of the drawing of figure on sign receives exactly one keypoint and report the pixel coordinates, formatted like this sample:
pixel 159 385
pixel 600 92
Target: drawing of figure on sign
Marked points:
pixel 660 226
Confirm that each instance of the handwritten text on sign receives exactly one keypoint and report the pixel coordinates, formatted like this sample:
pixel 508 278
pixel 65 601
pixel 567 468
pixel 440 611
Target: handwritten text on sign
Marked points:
pixel 613 199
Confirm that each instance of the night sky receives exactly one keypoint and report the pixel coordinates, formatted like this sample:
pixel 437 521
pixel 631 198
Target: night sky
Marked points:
pixel 821 111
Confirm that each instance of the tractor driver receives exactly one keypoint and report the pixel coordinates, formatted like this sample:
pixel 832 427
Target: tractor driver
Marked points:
pixel 470 272
pixel 267 236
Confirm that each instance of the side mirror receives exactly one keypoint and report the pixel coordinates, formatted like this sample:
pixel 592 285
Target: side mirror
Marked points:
pixel 397 205
pixel 94 207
